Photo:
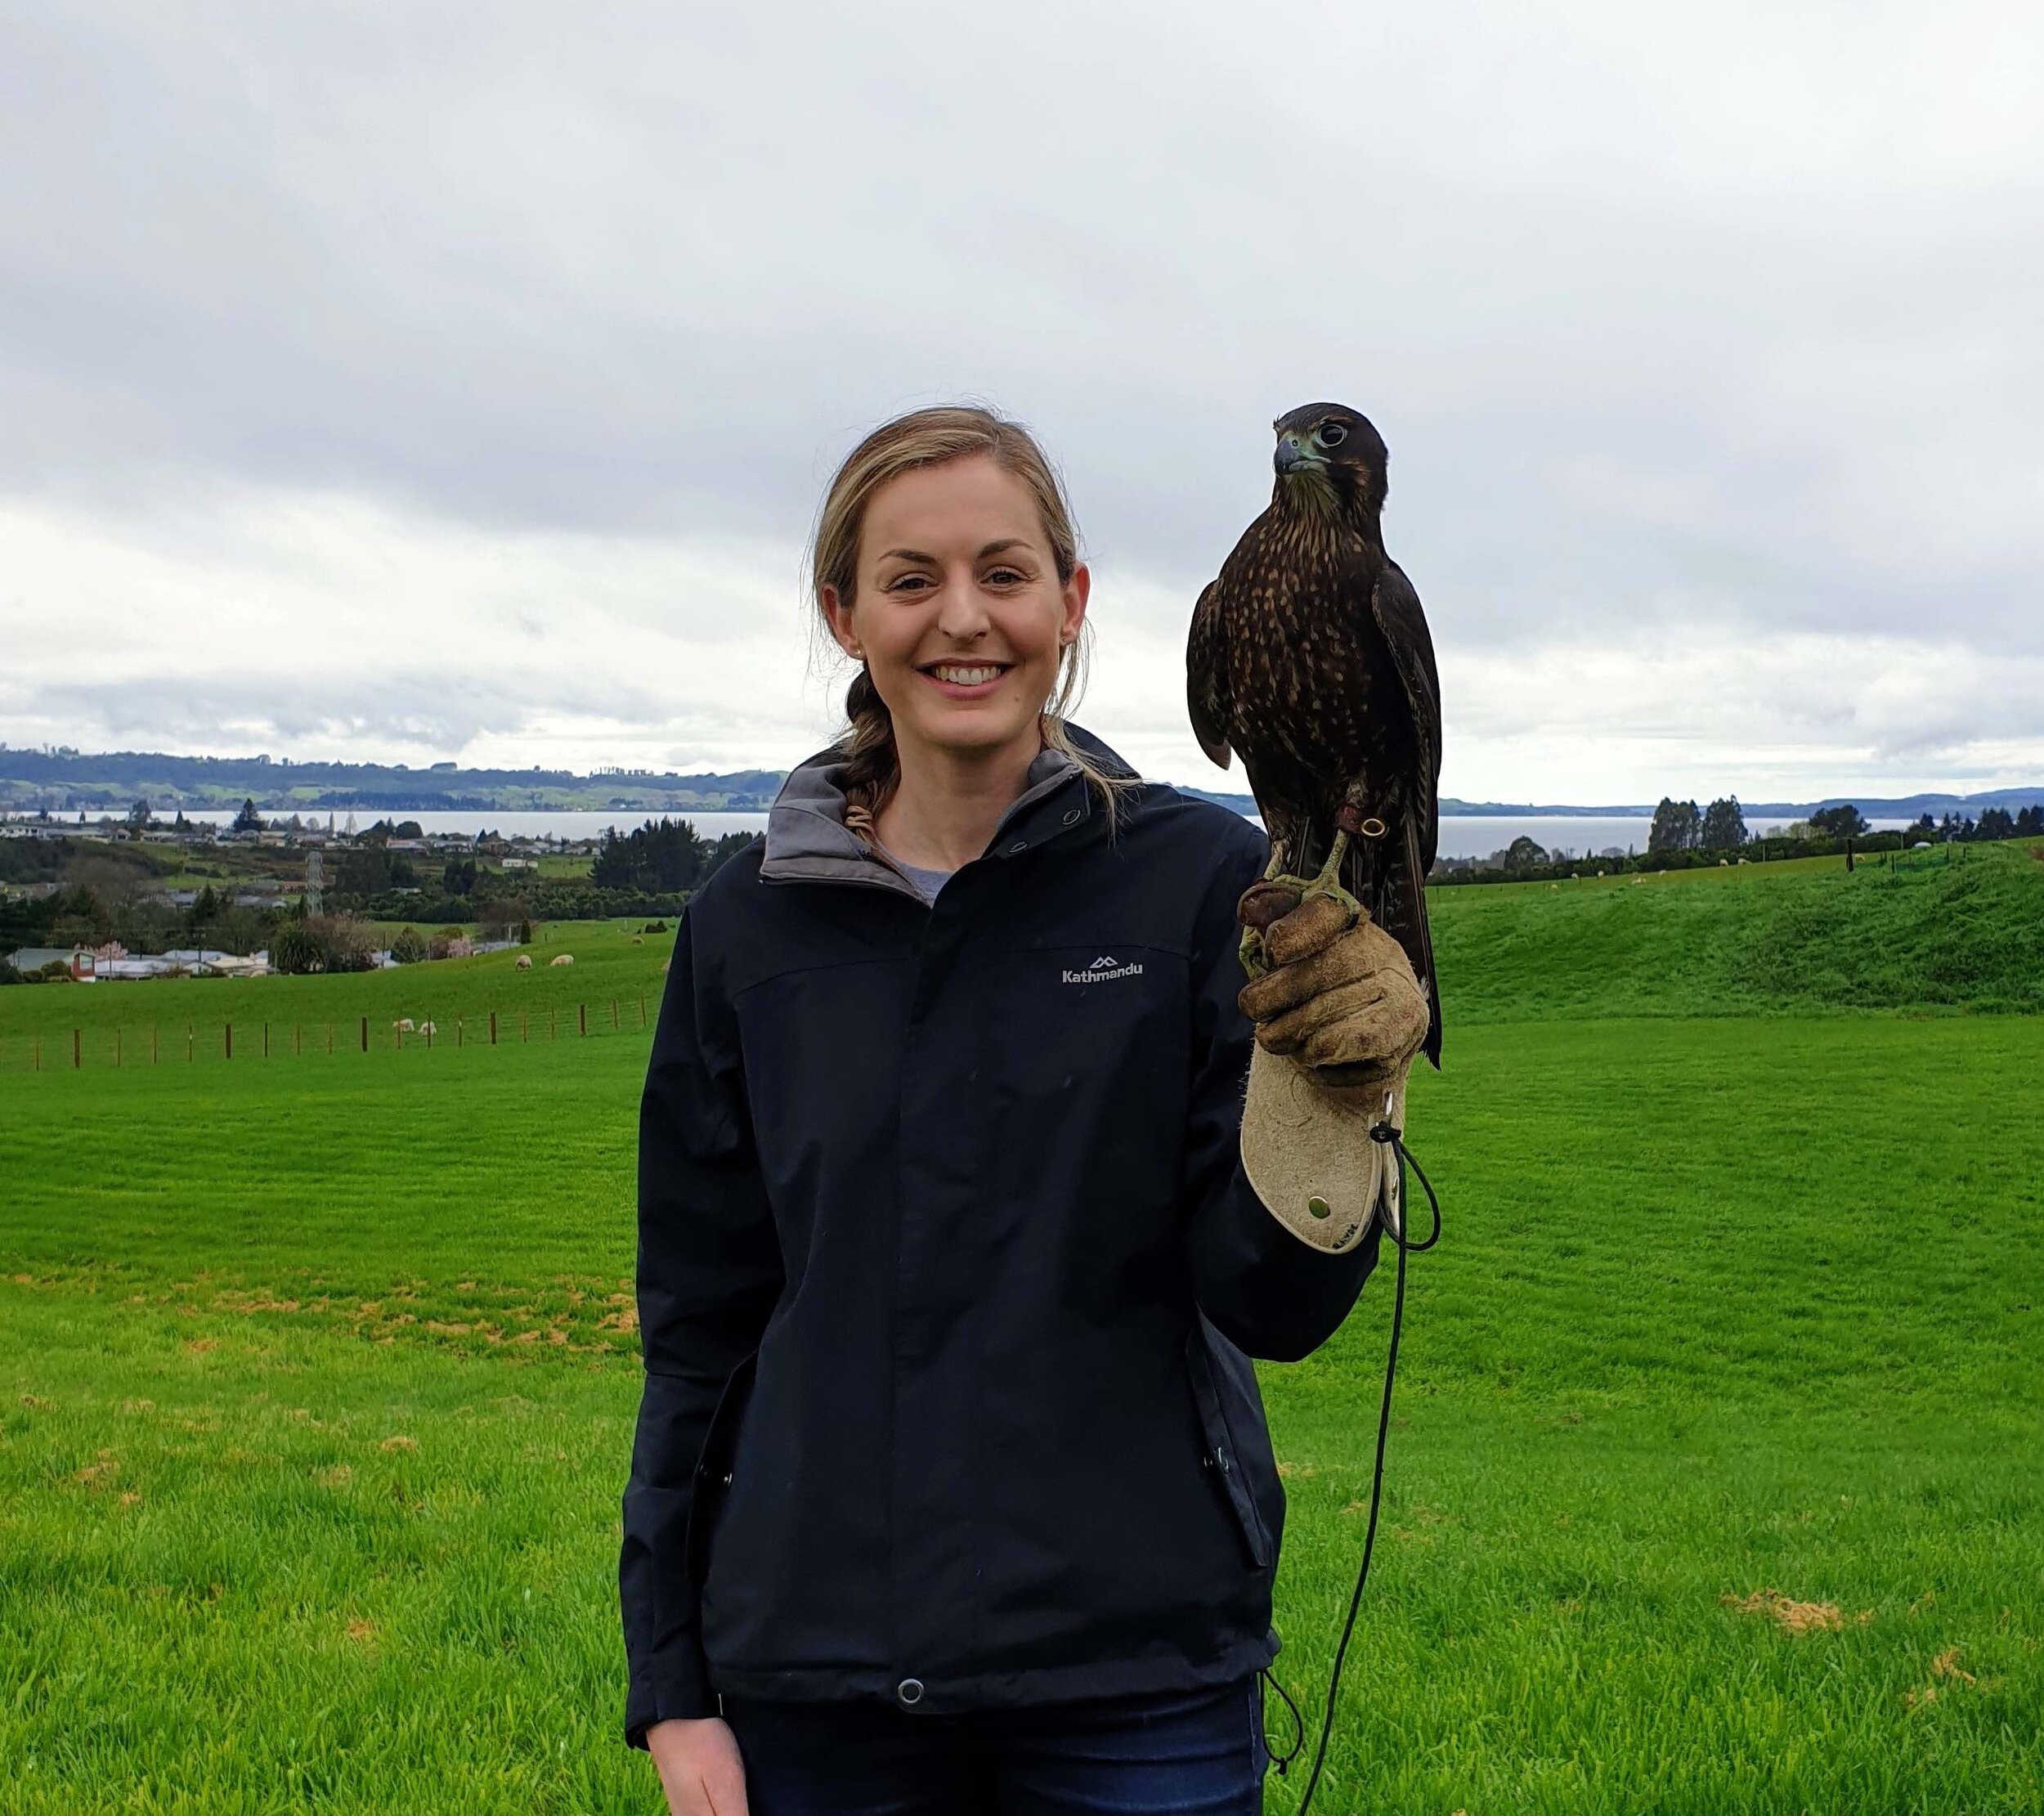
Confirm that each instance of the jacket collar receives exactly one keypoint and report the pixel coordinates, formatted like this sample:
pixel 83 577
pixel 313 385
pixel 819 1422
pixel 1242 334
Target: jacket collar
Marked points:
pixel 807 840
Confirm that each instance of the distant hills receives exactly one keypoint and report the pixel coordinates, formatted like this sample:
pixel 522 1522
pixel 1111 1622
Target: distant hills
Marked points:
pixel 63 780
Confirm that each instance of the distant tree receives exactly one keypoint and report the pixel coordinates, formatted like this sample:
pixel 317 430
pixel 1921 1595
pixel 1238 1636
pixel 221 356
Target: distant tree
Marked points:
pixel 8 973
pixel 138 816
pixel 1997 823
pixel 661 855
pixel 1723 825
pixel 458 878
pixel 1524 854
pixel 2029 824
pixel 364 870
pixel 248 820
pixel 1844 822
pixel 296 950
pixel 1676 827
pixel 346 941
pixel 206 906
pixel 408 948
pixel 408 829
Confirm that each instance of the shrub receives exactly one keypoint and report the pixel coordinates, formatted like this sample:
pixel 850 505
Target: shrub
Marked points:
pixel 408 948
pixel 296 950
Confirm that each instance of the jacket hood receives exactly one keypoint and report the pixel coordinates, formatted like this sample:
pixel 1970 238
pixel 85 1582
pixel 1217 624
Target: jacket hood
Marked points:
pixel 807 840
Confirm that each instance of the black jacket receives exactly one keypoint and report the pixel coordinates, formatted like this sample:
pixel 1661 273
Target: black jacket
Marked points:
pixel 947 1271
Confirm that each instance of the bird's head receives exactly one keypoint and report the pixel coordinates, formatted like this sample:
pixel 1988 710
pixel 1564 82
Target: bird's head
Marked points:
pixel 1330 457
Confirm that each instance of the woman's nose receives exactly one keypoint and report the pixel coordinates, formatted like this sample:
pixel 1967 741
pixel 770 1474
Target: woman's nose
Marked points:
pixel 961 613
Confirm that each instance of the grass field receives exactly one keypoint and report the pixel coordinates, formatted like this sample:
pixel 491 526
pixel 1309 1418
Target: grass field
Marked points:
pixel 1716 1485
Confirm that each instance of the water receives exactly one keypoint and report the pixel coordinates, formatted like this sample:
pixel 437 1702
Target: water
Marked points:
pixel 1461 835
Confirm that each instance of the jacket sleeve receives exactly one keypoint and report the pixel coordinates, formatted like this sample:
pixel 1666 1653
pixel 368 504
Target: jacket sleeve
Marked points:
pixel 709 1274
pixel 1267 1292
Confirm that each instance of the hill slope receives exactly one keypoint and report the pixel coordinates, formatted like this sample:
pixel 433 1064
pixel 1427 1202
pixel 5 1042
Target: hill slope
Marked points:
pixel 1762 940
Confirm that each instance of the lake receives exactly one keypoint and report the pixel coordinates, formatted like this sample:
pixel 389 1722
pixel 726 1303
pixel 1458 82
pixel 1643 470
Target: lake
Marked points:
pixel 1461 835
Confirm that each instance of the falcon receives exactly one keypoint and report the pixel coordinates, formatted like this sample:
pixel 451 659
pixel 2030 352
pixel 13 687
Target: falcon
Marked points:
pixel 1310 656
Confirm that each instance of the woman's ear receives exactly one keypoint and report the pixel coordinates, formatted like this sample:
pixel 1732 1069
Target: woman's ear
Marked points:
pixel 838 615
pixel 1076 591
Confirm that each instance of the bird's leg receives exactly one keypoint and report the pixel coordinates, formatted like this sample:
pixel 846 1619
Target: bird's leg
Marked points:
pixel 1350 821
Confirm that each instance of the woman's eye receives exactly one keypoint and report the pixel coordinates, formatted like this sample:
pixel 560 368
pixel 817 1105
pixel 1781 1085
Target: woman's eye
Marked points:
pixel 1003 577
pixel 1332 435
pixel 908 583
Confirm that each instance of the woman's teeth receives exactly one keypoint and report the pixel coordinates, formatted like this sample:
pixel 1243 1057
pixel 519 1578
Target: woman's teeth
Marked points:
pixel 959 677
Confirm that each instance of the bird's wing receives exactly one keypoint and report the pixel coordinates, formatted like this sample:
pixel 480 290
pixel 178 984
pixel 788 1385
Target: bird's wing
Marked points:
pixel 1207 675
pixel 1403 625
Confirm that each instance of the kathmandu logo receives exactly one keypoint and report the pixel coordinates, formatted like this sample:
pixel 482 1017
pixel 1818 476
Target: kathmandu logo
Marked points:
pixel 1101 969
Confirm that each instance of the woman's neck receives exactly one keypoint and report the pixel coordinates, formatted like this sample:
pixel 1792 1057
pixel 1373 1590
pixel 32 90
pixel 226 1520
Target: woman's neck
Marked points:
pixel 946 803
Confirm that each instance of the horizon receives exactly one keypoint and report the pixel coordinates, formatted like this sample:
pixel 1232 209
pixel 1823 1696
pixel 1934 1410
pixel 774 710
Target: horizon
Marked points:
pixel 446 767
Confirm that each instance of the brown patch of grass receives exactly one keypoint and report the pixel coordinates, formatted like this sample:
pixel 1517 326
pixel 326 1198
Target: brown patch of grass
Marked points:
pixel 1946 1663
pixel 399 1442
pixel 339 1477
pixel 99 1474
pixel 199 1346
pixel 363 1633
pixel 1792 1616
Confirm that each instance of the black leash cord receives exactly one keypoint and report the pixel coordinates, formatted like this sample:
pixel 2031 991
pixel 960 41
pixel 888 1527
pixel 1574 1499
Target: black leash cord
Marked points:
pixel 1382 1131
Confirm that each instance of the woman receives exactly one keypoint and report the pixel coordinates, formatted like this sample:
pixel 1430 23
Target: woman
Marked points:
pixel 952 1490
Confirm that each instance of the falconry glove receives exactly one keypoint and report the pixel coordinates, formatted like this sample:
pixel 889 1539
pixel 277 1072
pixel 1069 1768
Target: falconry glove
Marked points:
pixel 1338 1017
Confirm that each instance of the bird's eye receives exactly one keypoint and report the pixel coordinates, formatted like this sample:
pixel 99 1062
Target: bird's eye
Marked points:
pixel 1331 435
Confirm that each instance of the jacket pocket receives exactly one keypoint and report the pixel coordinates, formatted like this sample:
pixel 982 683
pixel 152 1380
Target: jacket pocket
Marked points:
pixel 713 1468
pixel 1222 1458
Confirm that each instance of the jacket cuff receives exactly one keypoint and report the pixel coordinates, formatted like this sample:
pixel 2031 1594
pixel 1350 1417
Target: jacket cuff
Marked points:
pixel 678 1691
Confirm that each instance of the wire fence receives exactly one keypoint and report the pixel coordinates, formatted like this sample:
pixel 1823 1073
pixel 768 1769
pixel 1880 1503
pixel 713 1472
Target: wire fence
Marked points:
pixel 252 1042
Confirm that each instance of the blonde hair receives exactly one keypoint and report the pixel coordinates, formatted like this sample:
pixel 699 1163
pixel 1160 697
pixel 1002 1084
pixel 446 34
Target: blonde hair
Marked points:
pixel 934 437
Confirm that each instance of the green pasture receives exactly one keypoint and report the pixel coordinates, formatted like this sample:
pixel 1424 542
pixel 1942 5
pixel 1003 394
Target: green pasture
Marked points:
pixel 1717 1484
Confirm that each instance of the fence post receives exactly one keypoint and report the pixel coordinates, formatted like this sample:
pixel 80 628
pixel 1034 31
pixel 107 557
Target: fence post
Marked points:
pixel 152 1043
pixel 76 1038
pixel 365 1034
pixel 38 1052
pixel 458 1030
pixel 298 1044
pixel 230 1032
pixel 329 1036
pixel 190 1052
pixel 549 1021
pixel 613 1015
pixel 493 1027
pixel 642 1011
pixel 582 1010
pixel 523 1037
pixel 266 1040
pixel 116 1049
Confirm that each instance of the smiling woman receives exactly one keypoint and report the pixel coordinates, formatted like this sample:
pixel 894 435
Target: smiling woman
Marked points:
pixel 952 1488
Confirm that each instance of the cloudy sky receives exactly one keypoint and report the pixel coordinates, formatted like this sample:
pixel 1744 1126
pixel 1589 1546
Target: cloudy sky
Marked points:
pixel 413 383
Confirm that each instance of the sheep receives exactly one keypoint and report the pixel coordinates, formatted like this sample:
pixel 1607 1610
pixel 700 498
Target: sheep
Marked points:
pixel 403 1025
pixel 562 958
pixel 427 1028
pixel 525 961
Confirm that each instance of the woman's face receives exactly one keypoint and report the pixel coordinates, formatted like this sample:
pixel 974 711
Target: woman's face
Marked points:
pixel 959 615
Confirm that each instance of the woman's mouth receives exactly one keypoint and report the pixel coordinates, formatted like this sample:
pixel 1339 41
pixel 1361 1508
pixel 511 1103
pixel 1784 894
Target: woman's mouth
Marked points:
pixel 965 680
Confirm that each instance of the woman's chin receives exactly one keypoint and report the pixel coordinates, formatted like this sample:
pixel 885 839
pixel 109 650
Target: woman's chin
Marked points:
pixel 969 729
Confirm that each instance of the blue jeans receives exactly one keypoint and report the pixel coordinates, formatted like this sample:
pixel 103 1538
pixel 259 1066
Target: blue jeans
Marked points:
pixel 1190 1753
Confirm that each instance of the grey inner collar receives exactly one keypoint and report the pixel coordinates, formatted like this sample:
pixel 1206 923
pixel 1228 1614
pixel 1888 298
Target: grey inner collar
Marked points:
pixel 807 840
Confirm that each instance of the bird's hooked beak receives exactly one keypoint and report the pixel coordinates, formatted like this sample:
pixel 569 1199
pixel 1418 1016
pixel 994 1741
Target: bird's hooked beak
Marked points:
pixel 1294 450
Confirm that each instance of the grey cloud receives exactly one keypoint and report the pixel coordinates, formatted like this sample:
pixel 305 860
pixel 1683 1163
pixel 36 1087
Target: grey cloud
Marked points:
pixel 648 271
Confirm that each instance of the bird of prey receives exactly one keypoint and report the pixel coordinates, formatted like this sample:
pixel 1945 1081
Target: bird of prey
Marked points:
pixel 1310 655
